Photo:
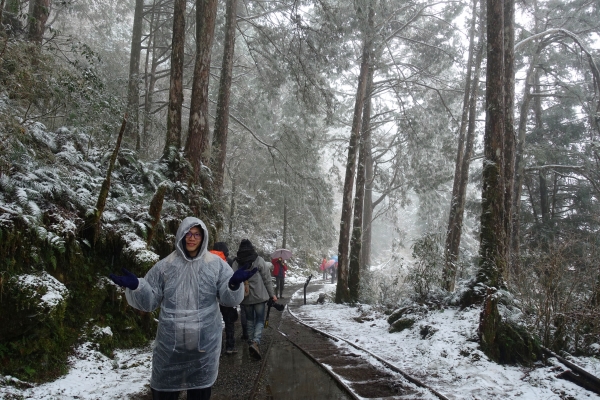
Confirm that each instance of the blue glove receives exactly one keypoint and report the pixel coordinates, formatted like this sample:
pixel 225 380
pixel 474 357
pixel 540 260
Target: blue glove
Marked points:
pixel 240 276
pixel 129 280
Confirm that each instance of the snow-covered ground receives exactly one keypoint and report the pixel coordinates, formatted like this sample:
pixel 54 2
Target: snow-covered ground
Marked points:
pixel 92 376
pixel 447 359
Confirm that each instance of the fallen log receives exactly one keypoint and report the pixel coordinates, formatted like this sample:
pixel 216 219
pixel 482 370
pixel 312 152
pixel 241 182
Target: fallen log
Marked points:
pixel 576 374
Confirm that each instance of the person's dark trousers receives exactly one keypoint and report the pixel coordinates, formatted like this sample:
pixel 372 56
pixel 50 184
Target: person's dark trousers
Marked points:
pixel 192 394
pixel 229 317
pixel 244 322
pixel 280 282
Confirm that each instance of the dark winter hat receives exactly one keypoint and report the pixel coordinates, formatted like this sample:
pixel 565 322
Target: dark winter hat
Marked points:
pixel 246 252
pixel 245 244
pixel 221 246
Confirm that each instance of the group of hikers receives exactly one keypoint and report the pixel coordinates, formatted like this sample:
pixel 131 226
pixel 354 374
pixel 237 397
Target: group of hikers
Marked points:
pixel 191 285
pixel 329 267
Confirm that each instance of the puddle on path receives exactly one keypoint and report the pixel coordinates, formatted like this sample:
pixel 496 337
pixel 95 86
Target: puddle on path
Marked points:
pixel 291 375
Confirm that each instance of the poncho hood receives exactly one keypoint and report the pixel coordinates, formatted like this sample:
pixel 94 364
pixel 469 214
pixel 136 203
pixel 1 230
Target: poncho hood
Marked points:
pixel 185 226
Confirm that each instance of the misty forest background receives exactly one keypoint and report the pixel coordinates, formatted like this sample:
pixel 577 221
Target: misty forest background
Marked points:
pixel 458 141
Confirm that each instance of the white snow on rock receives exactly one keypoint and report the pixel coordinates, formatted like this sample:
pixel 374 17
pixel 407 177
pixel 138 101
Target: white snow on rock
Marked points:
pixel 56 292
pixel 137 247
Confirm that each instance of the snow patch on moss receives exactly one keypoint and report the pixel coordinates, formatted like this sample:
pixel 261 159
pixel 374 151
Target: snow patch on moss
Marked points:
pixel 50 291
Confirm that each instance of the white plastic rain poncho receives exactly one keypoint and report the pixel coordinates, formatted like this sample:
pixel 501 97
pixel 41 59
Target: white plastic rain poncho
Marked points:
pixel 188 292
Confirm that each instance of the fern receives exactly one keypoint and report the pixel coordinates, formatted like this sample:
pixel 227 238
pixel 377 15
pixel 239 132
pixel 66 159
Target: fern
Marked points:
pixel 22 197
pixel 7 184
pixel 34 209
pixel 56 242
pixel 70 155
pixel 90 168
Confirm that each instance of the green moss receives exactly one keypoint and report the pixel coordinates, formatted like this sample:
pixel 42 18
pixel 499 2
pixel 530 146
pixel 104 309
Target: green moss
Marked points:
pixel 37 342
pixel 36 336
pixel 503 341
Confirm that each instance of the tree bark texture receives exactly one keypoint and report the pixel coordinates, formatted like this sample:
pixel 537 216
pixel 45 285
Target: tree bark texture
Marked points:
pixel 519 163
pixel 154 210
pixel 38 15
pixel 149 78
pixel 454 228
pixel 491 251
pixel 93 224
pixel 219 146
pixel 285 221
pixel 354 270
pixel 342 292
pixel 365 251
pixel 173 139
pixel 456 233
pixel 2 4
pixel 509 125
pixel 489 324
pixel 196 147
pixel 133 89
pixel 544 198
pixel 232 204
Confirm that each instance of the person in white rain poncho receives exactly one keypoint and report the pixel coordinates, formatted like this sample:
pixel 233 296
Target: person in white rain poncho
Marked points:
pixel 188 286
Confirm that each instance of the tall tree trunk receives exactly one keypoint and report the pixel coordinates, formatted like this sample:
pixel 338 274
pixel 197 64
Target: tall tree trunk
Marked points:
pixel 219 150
pixel 367 233
pixel 91 230
pixel 196 147
pixel 491 251
pixel 173 139
pixel 544 198
pixel 509 125
pixel 133 87
pixel 519 163
pixel 354 270
pixel 492 248
pixel 454 230
pixel 38 15
pixel 342 292
pixel 2 5
pixel 232 204
pixel 464 170
pixel 150 77
pixel 285 221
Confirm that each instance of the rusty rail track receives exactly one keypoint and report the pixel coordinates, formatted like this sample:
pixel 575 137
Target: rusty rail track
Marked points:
pixel 373 380
pixel 358 372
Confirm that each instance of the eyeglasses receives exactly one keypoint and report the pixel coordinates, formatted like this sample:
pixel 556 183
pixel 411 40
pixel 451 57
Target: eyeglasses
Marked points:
pixel 190 235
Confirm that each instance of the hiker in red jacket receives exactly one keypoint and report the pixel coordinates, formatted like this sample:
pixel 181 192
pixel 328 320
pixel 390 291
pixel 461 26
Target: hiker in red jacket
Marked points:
pixel 323 268
pixel 279 269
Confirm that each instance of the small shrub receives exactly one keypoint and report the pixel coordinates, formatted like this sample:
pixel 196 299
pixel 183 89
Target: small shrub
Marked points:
pixel 426 274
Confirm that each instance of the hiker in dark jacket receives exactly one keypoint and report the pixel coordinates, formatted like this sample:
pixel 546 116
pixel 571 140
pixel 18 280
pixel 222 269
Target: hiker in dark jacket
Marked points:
pixel 230 314
pixel 258 290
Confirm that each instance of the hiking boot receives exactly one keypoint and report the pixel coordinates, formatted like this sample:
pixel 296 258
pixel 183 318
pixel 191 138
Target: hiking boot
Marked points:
pixel 254 351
